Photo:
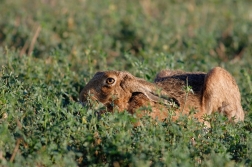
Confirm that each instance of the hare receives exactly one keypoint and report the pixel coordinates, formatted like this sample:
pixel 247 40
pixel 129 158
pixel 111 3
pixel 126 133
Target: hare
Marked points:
pixel 210 92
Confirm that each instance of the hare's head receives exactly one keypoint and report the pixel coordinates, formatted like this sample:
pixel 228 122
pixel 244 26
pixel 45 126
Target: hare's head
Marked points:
pixel 116 88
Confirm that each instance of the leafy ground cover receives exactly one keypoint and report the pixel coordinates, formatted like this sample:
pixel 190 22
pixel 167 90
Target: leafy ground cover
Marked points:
pixel 50 49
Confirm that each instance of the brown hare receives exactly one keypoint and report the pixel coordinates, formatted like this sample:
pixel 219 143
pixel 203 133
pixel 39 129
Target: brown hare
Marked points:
pixel 211 92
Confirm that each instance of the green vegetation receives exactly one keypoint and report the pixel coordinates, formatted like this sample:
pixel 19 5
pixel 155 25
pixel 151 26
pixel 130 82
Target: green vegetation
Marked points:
pixel 49 49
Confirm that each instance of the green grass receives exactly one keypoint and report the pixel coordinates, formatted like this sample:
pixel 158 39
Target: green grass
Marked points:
pixel 50 49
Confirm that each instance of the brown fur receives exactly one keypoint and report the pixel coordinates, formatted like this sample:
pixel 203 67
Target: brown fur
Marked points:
pixel 214 91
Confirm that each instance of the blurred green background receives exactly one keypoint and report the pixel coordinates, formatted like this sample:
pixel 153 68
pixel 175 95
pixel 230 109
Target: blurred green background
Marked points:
pixel 49 49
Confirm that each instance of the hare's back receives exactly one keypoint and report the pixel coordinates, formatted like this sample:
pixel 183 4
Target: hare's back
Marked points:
pixel 175 86
pixel 178 81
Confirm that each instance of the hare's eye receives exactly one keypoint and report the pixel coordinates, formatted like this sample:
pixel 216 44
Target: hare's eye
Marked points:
pixel 110 81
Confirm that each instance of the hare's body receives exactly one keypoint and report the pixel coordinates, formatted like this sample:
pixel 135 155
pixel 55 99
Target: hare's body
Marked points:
pixel 176 85
pixel 214 91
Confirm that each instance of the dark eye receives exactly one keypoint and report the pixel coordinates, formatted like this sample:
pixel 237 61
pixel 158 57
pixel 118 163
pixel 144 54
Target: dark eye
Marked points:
pixel 110 81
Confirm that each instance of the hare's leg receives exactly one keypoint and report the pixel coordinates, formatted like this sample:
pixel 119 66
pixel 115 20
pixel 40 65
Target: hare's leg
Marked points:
pixel 221 93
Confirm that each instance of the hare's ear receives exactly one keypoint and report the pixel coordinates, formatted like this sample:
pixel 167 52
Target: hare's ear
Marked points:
pixel 152 92
pixel 160 98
